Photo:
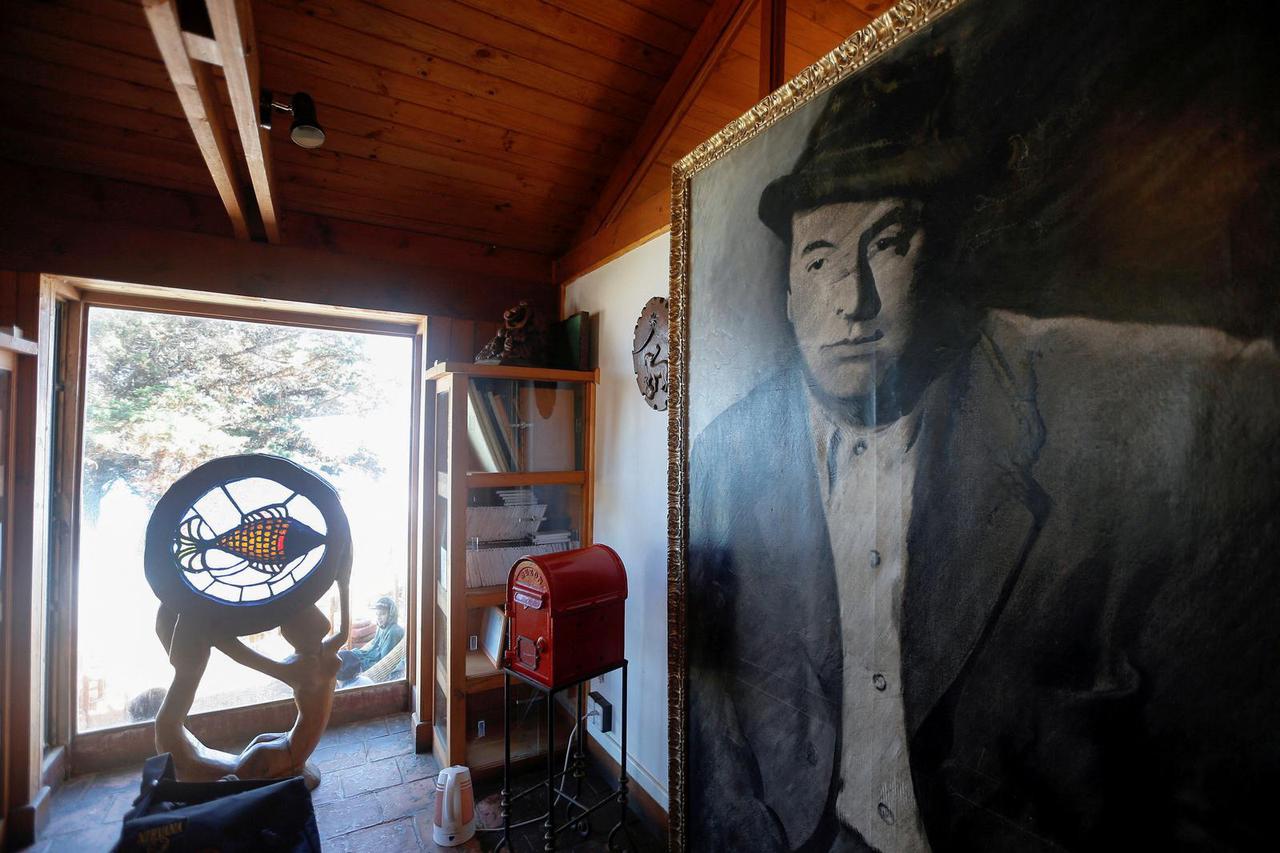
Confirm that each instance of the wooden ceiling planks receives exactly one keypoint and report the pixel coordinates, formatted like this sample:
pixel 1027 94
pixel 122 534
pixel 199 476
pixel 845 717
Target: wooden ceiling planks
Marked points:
pixel 813 28
pixel 496 122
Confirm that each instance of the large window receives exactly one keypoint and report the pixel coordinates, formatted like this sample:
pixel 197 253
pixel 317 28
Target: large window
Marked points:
pixel 165 393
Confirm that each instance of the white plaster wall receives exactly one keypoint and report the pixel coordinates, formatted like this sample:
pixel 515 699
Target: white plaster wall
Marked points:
pixel 631 500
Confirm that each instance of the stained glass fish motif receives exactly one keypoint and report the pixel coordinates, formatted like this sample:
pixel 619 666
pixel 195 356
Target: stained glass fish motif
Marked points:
pixel 267 539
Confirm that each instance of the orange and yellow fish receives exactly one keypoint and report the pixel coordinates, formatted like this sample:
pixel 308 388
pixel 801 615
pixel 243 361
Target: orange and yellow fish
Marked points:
pixel 267 539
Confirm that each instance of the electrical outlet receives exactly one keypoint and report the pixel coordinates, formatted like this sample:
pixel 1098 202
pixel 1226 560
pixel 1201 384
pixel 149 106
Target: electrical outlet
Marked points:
pixel 480 728
pixel 473 642
pixel 605 709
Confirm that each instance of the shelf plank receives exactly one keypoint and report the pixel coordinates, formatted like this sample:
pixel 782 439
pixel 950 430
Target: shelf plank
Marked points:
pixel 483 480
pixel 482 675
pixel 526 742
pixel 486 753
pixel 479 666
pixel 505 371
pixel 485 684
pixel 486 596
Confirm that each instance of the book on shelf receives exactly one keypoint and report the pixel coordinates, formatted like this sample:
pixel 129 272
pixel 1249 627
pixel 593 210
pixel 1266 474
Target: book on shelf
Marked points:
pixel 484 434
pixel 516 521
pixel 504 416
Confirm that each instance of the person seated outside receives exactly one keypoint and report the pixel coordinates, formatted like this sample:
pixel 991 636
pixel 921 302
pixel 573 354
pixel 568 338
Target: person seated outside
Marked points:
pixel 384 642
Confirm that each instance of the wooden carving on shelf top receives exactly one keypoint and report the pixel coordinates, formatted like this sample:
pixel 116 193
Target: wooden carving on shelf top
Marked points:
pixel 241 545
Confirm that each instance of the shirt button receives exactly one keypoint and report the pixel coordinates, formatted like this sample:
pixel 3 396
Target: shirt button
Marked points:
pixel 879 682
pixel 886 813
pixel 875 559
pixel 859 447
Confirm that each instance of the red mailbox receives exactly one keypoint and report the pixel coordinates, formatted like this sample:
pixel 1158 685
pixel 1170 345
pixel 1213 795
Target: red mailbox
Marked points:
pixel 566 615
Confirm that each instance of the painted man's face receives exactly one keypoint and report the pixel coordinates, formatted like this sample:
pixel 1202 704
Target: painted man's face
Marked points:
pixel 852 268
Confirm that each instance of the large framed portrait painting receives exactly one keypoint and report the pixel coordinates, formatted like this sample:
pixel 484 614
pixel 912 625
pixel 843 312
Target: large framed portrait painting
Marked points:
pixel 975 409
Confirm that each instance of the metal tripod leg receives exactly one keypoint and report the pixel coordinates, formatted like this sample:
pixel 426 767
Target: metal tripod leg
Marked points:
pixel 549 825
pixel 505 801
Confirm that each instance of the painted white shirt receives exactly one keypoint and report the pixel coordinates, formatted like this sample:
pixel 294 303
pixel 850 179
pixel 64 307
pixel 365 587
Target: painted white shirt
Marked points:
pixel 866 478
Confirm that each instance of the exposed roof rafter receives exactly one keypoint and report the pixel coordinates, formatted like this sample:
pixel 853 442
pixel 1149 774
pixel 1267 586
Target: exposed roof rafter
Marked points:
pixel 195 94
pixel 233 31
pixel 718 29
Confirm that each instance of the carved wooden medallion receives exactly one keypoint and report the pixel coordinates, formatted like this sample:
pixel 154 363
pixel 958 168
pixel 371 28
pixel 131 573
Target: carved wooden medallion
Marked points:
pixel 649 353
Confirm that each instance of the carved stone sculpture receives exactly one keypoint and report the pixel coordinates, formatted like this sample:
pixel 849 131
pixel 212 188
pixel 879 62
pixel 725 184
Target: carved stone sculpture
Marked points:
pixel 238 546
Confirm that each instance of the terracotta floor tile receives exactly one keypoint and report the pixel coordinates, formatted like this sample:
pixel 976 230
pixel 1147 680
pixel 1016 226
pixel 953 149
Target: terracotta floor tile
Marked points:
pixel 384 838
pixel 418 766
pixel 339 756
pixel 404 800
pixel 343 816
pixel 364 802
pixel 399 723
pixel 390 745
pixel 370 777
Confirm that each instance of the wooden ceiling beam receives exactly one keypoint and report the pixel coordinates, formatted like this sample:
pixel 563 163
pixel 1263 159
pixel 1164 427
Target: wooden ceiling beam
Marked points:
pixel 233 31
pixel 719 27
pixel 202 48
pixel 773 45
pixel 195 94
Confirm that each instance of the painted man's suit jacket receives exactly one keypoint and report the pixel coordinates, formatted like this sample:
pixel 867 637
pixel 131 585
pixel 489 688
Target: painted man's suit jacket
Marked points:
pixel 1090 623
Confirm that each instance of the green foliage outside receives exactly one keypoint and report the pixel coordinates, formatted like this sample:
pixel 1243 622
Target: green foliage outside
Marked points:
pixel 167 393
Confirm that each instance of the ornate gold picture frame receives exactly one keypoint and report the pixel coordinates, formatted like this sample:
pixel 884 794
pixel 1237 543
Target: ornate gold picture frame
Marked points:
pixel 988 456
pixel 860 49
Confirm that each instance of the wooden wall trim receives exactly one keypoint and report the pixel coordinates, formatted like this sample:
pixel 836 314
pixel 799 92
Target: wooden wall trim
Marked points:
pixel 638 224
pixel 24 625
pixel 140 255
pixel 65 195
pixel 229 729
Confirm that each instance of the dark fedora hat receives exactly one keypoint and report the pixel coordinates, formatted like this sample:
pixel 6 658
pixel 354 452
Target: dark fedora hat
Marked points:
pixel 885 131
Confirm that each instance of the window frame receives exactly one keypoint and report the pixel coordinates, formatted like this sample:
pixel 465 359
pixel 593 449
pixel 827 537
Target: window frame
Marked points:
pixel 100 748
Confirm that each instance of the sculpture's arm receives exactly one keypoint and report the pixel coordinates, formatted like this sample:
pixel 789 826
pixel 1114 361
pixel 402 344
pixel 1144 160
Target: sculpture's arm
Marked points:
pixel 235 649
pixel 338 640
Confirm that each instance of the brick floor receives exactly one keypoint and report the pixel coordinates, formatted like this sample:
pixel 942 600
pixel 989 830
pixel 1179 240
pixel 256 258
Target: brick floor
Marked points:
pixel 375 794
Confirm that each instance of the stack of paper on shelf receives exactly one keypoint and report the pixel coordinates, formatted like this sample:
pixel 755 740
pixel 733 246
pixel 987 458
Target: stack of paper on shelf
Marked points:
pixel 496 523
pixel 489 566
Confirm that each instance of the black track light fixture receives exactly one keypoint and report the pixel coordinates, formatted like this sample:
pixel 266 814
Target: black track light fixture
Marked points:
pixel 305 130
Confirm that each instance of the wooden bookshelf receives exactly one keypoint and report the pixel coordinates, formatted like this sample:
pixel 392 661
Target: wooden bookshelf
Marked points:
pixel 497 432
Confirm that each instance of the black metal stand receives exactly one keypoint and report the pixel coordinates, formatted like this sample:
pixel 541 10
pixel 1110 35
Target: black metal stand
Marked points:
pixel 577 813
